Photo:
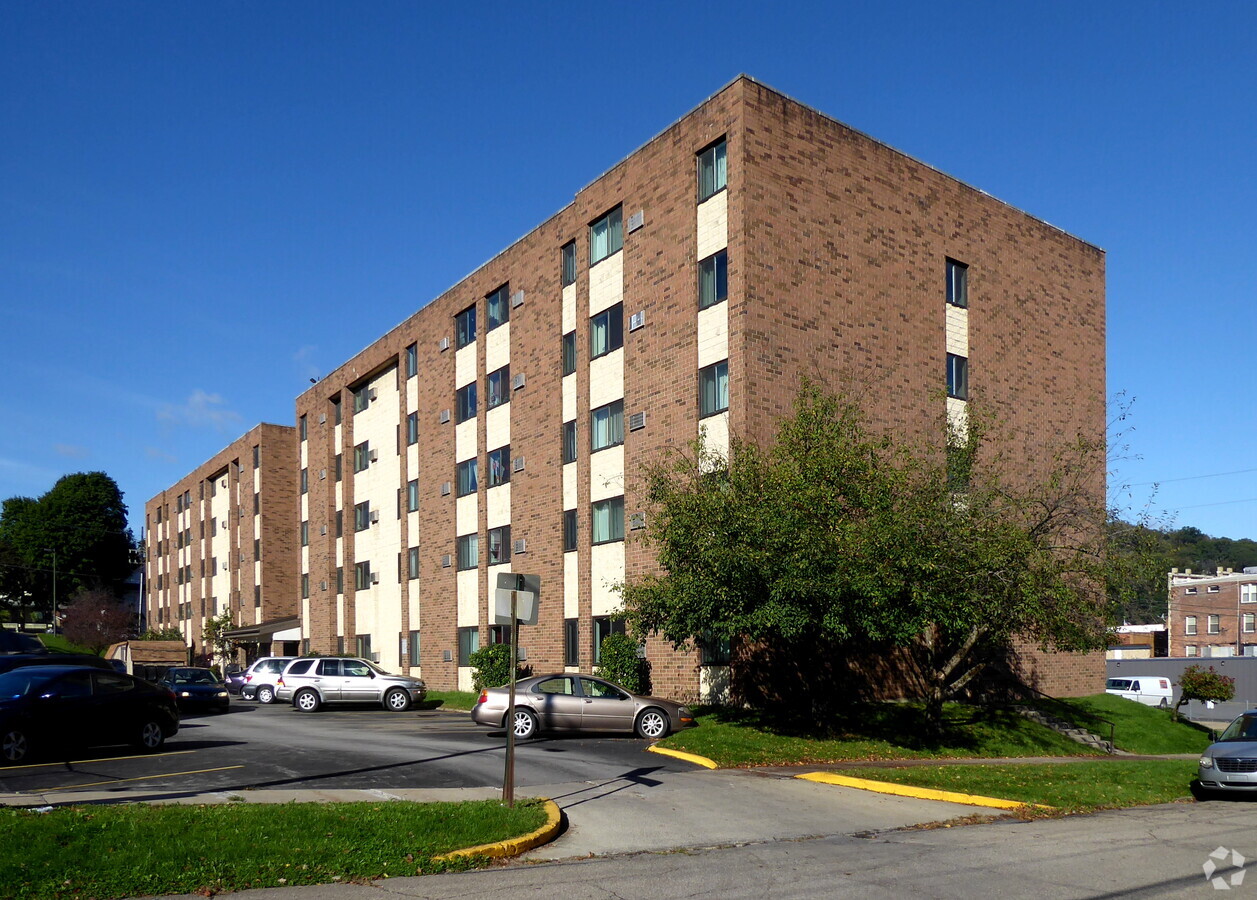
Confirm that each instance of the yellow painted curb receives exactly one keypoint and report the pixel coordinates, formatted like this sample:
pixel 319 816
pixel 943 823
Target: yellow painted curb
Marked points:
pixel 681 754
pixel 515 846
pixel 904 790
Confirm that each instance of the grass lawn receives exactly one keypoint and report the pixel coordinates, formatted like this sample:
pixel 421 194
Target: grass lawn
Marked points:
pixel 59 644
pixel 107 852
pixel 1072 786
pixel 1139 728
pixel 463 700
pixel 878 731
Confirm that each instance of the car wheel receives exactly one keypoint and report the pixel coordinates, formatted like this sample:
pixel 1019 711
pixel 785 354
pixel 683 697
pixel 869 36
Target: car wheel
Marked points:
pixel 652 725
pixel 266 694
pixel 525 724
pixel 150 735
pixel 15 747
pixel 397 700
pixel 306 701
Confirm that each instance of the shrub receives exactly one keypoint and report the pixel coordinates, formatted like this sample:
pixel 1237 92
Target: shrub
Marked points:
pixel 491 666
pixel 1199 684
pixel 618 661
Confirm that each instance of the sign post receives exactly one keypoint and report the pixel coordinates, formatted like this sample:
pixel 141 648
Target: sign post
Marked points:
pixel 515 602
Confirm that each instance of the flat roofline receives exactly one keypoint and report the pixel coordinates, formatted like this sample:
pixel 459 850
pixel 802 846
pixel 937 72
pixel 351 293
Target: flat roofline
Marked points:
pixel 221 450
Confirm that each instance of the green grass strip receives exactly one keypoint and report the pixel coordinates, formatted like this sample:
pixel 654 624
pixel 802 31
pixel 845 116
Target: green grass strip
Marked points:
pixel 1072 786
pixel 1138 728
pixel 107 852
pixel 460 700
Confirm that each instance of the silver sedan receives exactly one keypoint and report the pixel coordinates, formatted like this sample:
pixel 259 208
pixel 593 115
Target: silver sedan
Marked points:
pixel 568 702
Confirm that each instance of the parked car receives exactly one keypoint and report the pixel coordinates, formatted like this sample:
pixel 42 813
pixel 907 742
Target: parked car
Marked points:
pixel 196 688
pixel 47 710
pixel 1151 690
pixel 11 661
pixel 17 642
pixel 566 702
pixel 1230 762
pixel 260 678
pixel 233 677
pixel 310 682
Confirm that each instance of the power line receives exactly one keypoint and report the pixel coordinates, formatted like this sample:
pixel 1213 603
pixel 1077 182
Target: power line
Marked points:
pixel 1192 477
pixel 1219 503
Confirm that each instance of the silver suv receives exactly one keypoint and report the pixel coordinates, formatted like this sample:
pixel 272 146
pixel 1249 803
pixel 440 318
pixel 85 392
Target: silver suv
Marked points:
pixel 260 678
pixel 311 682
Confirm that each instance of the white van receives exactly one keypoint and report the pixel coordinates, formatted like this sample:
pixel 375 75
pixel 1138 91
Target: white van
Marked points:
pixel 1152 690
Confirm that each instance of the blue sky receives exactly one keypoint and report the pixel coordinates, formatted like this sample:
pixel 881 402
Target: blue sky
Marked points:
pixel 205 205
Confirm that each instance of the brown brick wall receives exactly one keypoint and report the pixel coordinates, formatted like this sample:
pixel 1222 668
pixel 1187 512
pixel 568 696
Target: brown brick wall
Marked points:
pixel 1224 602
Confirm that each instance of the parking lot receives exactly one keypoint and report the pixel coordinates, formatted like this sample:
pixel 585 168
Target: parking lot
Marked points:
pixel 257 747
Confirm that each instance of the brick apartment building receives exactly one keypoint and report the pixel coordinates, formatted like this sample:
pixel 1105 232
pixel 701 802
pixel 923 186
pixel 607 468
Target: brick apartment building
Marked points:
pixel 225 538
pixel 504 426
pixel 1213 615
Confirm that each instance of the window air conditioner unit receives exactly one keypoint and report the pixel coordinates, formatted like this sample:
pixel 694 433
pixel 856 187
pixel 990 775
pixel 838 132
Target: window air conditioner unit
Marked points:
pixel 322 474
pixel 517 299
pixel 323 585
pixel 445 343
pixel 323 530
pixel 517 381
pixel 375 516
pixel 521 545
pixel 446 561
pixel 522 654
pixel 446 487
pixel 375 577
pixel 636 220
pixel 370 394
pixel 637 421
pixel 447 655
pixel 445 416
pixel 375 656
pixel 637 521
pixel 518 464
pixel 224 482
pixel 637 320
pixel 373 455
pixel 322 418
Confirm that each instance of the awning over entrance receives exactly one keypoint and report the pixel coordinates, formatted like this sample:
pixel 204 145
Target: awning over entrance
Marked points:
pixel 288 629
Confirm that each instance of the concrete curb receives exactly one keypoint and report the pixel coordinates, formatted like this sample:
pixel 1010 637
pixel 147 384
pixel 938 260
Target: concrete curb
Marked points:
pixel 682 755
pixel 903 790
pixel 515 846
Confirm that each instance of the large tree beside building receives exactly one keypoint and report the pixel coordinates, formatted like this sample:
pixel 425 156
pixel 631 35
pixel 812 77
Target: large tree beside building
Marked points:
pixel 73 538
pixel 837 539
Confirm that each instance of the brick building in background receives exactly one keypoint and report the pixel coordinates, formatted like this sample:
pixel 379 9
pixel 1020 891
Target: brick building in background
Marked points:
pixel 1213 615
pixel 504 426
pixel 225 538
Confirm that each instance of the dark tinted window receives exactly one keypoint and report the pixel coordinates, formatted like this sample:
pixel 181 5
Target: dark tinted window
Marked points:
pixel 76 684
pixel 556 686
pixel 112 683
pixel 301 667
pixel 329 667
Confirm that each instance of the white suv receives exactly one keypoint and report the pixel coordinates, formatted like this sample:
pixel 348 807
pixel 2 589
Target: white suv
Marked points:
pixel 310 682
pixel 260 678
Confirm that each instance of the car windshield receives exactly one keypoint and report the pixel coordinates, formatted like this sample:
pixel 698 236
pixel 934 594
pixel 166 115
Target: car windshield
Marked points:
pixel 21 682
pixel 1119 684
pixel 1242 729
pixel 193 676
pixel 375 668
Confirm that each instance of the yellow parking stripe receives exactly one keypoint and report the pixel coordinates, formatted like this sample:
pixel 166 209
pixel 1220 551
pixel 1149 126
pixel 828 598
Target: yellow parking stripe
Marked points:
pixel 79 762
pixel 75 787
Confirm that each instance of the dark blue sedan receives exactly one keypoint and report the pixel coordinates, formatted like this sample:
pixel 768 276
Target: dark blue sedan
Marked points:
pixel 196 688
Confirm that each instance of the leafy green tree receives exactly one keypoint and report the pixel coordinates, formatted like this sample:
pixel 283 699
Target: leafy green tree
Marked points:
pixel 491 667
pixel 214 635
pixel 837 540
pixel 1196 683
pixel 161 634
pixel 95 619
pixel 618 661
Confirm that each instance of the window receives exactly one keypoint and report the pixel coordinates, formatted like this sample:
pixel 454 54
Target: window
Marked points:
pixel 569 530
pixel 465 403
pixel 606 236
pixel 499 634
pixel 468 551
pixel 305 481
pixel 468 480
pixel 713 650
pixel 603 626
pixel 569 441
pixel 1212 589
pixel 339 466
pixel 468 643
pixel 571 642
pixel 412 563
pixel 713 280
pixel 465 327
pixel 362 576
pixel 1250 623
pixel 1191 650
pixel 340 523
pixel 957 376
pixel 957 284
pixel 1190 591
pixel 606 426
pixel 412 428
pixel 712 170
pixel 257 461
pixel 568 265
pixel 499 466
pixel 606 331
pixel 412 360
pixel 498 307
pixel 362 516
pixel 340 579
pixel 364 652
pixel 414 648
pixel 1214 624
pixel 1189 625
pixel 305 534
pixel 569 353
pixel 713 389
pixel 336 412
pixel 305 585
pixel 608 520
pixel 362 398
pixel 362 456
pixel 412 495
pixel 497 387
pixel 499 545
pixel 1248 593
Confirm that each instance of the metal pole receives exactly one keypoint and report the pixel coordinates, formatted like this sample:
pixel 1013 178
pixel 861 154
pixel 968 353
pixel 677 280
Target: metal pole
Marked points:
pixel 508 778
pixel 54 590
